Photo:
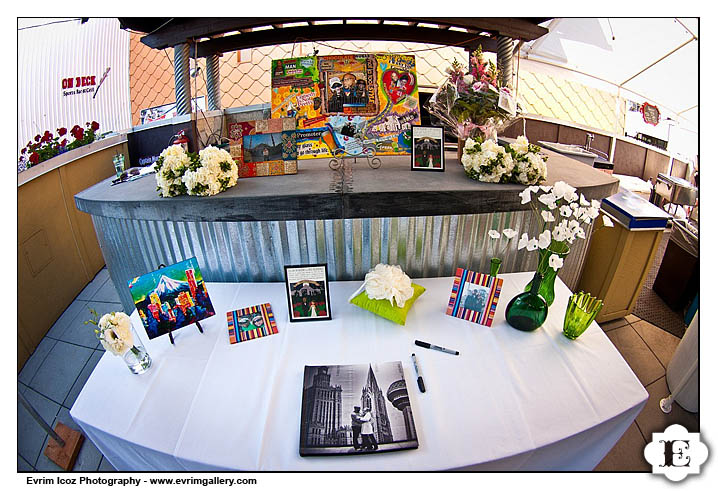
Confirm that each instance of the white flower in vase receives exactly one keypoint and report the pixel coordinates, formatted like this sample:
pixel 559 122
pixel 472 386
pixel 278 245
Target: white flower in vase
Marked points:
pixel 523 241
pixel 544 239
pixel 510 233
pixel 555 262
pixel 532 245
pixel 494 234
pixel 547 216
pixel 607 222
pixel 565 211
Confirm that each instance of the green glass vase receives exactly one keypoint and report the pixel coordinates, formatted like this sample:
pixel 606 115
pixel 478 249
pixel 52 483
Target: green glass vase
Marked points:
pixel 581 310
pixel 528 310
pixel 495 266
pixel 546 290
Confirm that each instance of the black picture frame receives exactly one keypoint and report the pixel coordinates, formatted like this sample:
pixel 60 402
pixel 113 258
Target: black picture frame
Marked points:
pixel 418 155
pixel 314 290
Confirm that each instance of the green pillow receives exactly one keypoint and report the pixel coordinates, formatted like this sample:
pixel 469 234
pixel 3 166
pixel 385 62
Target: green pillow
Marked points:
pixel 385 308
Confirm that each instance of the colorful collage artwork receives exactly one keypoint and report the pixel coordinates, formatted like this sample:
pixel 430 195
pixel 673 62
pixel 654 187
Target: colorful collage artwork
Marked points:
pixel 474 297
pixel 264 147
pixel 348 104
pixel 251 323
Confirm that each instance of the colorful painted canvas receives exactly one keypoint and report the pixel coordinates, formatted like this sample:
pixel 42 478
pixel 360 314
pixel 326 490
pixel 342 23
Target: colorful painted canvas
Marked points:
pixel 474 297
pixel 356 409
pixel 171 297
pixel 251 323
pixel 264 147
pixel 295 89
pixel 369 103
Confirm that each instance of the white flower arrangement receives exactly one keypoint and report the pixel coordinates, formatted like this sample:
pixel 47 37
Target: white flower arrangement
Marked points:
pixel 114 330
pixel 564 214
pixel 520 162
pixel 169 169
pixel 214 172
pixel 206 174
pixel 390 283
pixel 506 235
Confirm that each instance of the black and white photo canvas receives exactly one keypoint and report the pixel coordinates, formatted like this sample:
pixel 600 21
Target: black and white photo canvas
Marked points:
pixel 356 409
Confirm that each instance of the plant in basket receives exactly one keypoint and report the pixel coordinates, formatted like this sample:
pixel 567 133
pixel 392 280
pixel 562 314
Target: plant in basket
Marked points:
pixel 48 145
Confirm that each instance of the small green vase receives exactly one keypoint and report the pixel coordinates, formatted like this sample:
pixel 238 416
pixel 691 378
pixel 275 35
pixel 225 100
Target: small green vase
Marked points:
pixel 527 311
pixel 495 266
pixel 546 290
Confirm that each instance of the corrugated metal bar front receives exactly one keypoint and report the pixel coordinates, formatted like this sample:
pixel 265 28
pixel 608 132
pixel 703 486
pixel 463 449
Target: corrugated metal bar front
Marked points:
pixel 257 251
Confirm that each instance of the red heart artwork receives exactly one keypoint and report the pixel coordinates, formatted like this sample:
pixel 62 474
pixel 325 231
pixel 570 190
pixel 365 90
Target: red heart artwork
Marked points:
pixel 397 85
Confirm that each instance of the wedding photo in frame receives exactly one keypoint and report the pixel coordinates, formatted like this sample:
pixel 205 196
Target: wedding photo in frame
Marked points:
pixel 474 297
pixel 307 292
pixel 427 148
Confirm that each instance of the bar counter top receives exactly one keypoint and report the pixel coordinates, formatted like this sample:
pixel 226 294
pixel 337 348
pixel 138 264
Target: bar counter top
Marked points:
pixel 356 191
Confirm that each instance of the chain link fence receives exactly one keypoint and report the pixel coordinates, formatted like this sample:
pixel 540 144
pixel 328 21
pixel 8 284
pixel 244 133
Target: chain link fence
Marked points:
pixel 246 79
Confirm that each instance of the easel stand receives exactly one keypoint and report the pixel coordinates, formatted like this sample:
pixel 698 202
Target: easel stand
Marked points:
pixel 199 326
pixel 64 444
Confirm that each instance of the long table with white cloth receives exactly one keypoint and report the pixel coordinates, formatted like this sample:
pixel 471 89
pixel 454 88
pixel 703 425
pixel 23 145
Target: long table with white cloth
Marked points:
pixel 511 400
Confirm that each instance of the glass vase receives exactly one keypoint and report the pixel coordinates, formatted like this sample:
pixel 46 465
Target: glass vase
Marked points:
pixel 137 358
pixel 495 266
pixel 546 290
pixel 581 310
pixel 527 311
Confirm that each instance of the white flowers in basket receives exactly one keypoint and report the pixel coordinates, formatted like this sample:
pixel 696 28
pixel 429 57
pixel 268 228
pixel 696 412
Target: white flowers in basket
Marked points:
pixel 206 174
pixel 520 162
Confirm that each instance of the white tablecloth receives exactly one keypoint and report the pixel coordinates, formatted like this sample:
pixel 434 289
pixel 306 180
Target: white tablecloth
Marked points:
pixel 512 400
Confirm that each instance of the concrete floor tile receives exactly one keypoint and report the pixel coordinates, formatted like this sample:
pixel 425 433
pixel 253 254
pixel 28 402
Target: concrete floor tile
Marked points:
pixel 653 420
pixel 80 382
pixel 87 460
pixel 631 318
pixel 23 465
pixel 61 324
pixel 662 343
pixel 60 370
pixel 627 454
pixel 84 334
pixel 105 466
pixel 610 325
pixel 30 435
pixel 106 293
pixel 636 353
pixel 94 286
pixel 33 363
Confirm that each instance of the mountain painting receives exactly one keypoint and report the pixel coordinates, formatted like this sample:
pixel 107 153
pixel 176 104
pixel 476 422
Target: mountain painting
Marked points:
pixel 171 297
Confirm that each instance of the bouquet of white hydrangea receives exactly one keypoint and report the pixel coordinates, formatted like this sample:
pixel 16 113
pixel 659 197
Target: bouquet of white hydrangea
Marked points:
pixel 169 169
pixel 520 162
pixel 215 171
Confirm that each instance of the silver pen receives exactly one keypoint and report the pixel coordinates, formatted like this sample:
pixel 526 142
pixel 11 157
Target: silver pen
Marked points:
pixel 419 376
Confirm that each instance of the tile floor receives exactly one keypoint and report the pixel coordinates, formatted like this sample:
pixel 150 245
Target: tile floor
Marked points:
pixel 61 364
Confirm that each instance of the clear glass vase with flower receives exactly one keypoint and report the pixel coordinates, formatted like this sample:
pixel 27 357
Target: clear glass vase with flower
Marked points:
pixel 117 336
pixel 499 244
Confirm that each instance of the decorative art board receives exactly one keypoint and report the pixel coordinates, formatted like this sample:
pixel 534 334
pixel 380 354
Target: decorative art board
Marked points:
pixel 368 103
pixel 338 399
pixel 250 323
pixel 474 297
pixel 171 297
pixel 264 147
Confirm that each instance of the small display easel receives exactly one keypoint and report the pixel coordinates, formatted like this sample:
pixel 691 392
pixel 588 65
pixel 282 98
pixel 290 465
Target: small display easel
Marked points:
pixel 169 333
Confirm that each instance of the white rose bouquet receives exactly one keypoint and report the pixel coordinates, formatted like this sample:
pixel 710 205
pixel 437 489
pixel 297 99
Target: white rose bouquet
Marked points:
pixel 114 330
pixel 170 167
pixel 215 171
pixel 519 163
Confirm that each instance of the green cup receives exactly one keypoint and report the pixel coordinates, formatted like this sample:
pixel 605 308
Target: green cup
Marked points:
pixel 581 310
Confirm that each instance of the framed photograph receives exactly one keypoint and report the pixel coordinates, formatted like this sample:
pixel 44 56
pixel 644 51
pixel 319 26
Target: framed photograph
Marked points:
pixel 251 323
pixel 307 292
pixel 171 297
pixel 355 409
pixel 427 148
pixel 474 297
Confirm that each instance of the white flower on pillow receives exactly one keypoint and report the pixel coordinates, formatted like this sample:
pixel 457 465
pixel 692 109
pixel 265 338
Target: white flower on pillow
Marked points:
pixel 386 282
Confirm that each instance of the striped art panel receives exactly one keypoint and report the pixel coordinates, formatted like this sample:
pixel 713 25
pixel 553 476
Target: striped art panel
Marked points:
pixel 250 323
pixel 490 286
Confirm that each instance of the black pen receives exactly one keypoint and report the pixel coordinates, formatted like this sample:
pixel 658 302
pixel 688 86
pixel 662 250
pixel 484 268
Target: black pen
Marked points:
pixel 419 377
pixel 437 348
